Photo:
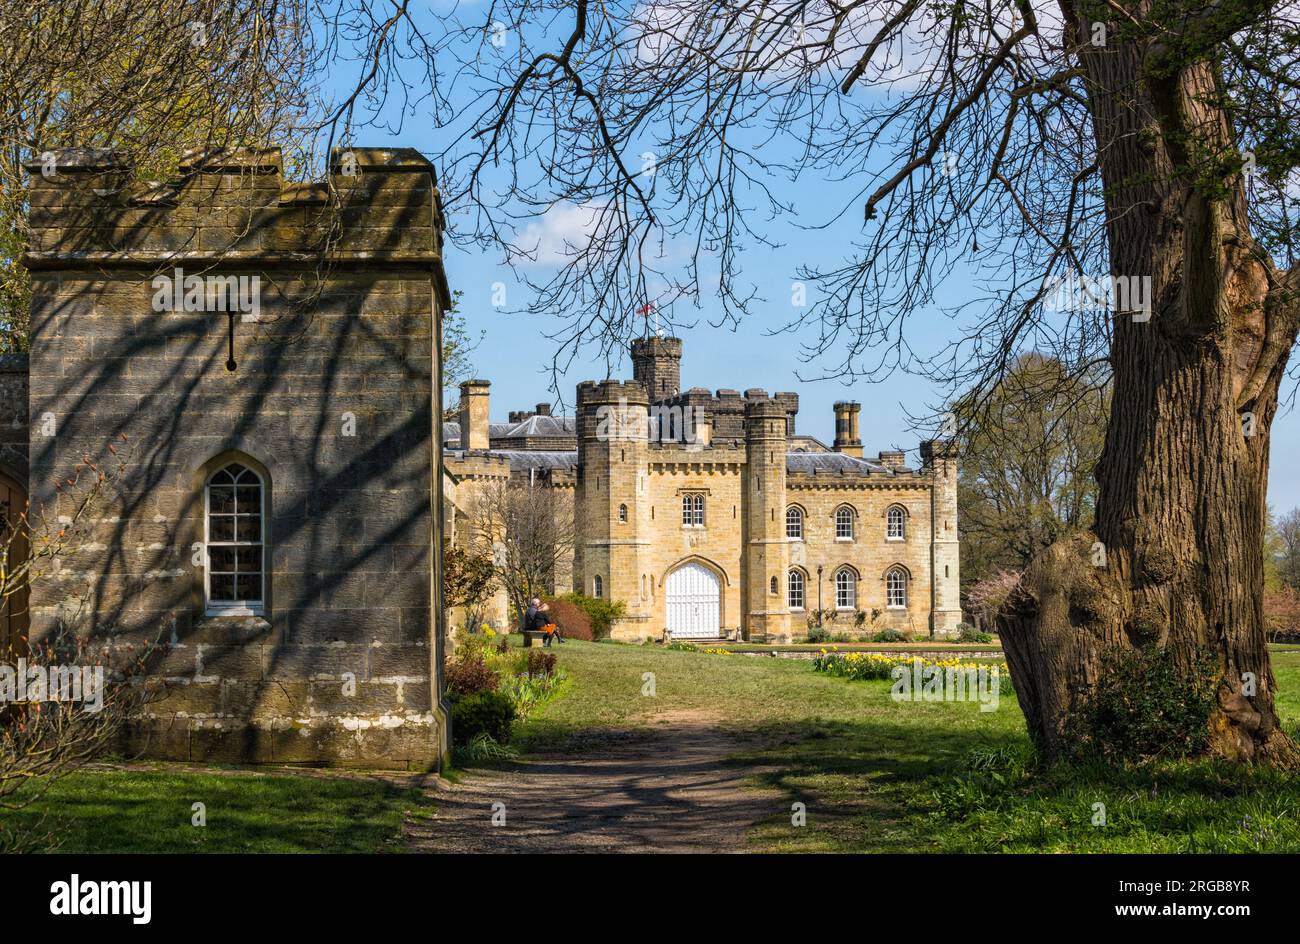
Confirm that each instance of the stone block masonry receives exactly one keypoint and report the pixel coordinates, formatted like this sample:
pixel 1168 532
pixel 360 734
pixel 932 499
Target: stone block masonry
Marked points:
pixel 305 631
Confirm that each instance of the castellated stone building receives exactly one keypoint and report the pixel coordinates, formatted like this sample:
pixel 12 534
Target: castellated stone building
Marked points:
pixel 710 517
pixel 265 356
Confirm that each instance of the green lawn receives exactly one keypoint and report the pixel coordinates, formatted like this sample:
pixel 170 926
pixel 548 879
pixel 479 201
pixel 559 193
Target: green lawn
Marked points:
pixel 877 775
pixel 152 811
pixel 874 774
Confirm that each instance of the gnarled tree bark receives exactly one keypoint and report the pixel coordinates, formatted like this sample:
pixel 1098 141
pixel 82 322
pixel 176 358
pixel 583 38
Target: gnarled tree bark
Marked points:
pixel 1182 479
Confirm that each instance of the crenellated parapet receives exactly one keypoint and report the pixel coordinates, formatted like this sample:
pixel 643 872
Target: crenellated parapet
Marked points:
pixel 379 207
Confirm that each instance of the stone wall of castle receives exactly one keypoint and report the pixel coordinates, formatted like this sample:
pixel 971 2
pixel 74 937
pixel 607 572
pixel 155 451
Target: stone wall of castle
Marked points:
pixel 631 533
pixel 329 396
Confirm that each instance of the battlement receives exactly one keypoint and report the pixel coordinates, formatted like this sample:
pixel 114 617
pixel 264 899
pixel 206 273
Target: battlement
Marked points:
pixel 379 208
pixel 595 392
pixel 932 449
pixel 759 404
pixel 465 465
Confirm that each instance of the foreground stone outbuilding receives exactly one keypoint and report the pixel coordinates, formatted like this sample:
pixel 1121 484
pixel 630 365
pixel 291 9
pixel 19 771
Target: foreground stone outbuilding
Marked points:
pixel 275 528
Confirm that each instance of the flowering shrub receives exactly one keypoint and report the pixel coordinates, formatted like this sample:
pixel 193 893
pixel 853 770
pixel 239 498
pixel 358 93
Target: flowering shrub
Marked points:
pixel 859 666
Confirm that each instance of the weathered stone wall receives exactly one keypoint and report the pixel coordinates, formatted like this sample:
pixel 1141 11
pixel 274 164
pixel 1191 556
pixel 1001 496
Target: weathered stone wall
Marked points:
pixel 13 416
pixel 331 400
pixel 870 553
pixel 716 473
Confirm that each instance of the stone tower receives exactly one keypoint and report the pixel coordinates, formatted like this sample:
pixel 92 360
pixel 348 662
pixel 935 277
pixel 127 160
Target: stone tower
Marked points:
pixel 264 356
pixel 939 458
pixel 611 505
pixel 657 363
pixel 767 556
pixel 847 439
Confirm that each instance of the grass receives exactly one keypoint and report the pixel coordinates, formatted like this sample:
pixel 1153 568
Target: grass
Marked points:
pixel 150 810
pixel 880 775
pixel 874 774
pixel 865 646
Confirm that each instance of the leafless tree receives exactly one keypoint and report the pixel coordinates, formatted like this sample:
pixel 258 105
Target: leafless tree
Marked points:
pixel 45 735
pixel 527 533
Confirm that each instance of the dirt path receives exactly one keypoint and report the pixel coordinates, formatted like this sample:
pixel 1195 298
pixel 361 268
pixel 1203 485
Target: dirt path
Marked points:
pixel 657 789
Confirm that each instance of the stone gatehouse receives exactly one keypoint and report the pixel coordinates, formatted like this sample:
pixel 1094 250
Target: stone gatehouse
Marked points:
pixel 264 354
pixel 710 516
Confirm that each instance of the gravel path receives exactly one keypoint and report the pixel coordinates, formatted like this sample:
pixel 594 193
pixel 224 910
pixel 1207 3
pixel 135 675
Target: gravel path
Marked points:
pixel 659 789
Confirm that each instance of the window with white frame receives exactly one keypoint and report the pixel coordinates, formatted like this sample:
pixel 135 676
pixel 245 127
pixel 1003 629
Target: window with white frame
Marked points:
pixel 622 514
pixel 844 524
pixel 795 586
pixel 896 588
pixel 234 534
pixel 794 523
pixel 895 524
pixel 846 589
pixel 692 511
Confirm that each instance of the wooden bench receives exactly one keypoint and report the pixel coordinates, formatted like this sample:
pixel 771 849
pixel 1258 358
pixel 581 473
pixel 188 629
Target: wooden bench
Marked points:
pixel 533 637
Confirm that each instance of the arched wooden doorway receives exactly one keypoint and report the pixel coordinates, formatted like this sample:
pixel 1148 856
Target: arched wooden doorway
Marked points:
pixel 693 596
pixel 15 616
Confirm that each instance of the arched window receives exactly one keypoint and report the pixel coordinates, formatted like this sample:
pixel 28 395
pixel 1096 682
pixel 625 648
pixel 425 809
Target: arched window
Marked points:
pixel 895 524
pixel 692 511
pixel 234 511
pixel 597 587
pixel 896 588
pixel 794 523
pixel 622 514
pixel 844 524
pixel 795 585
pixel 846 589
pixel 774 590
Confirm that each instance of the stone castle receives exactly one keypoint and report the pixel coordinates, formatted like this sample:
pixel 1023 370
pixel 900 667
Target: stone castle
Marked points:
pixel 710 517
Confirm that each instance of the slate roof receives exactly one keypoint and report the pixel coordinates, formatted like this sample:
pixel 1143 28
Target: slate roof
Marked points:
pixel 537 427
pixel 521 460
pixel 833 463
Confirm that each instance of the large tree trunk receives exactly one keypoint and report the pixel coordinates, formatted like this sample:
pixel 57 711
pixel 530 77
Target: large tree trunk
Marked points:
pixel 1182 479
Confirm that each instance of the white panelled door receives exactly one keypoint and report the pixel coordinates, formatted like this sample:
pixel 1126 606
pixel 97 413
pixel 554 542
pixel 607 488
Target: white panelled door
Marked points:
pixel 694 599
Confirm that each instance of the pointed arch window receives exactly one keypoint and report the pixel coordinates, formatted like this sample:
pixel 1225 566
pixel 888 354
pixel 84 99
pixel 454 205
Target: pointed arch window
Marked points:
pixel 796 589
pixel 844 524
pixel 846 589
pixel 896 588
pixel 895 524
pixel 794 523
pixel 235 540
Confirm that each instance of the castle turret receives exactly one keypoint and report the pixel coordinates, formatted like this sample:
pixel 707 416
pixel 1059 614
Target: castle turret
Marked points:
pixel 612 508
pixel 847 439
pixel 767 550
pixel 657 363
pixel 939 459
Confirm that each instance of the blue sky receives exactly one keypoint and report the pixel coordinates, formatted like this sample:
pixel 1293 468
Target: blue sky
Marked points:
pixel 515 354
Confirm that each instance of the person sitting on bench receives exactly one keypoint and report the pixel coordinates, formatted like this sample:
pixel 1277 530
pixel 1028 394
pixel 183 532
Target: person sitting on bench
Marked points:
pixel 549 629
